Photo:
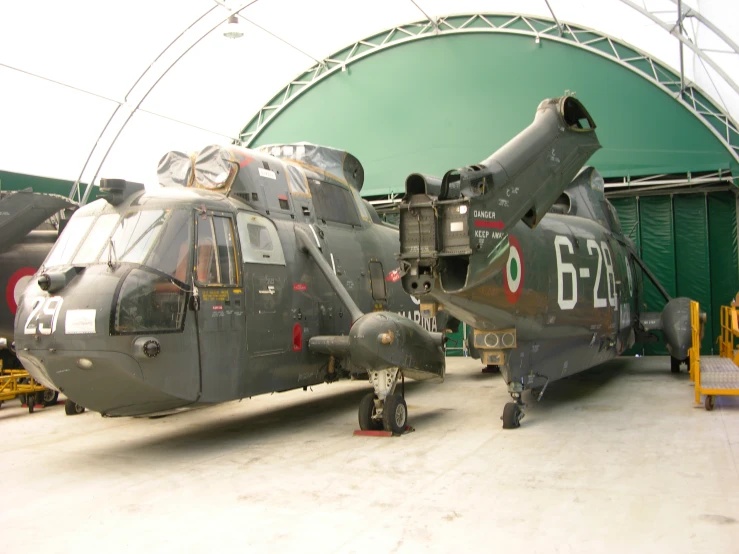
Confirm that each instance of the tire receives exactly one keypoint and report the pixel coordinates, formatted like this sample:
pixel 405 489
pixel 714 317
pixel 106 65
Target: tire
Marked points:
pixel 511 416
pixel 366 410
pixel 674 365
pixel 709 403
pixel 72 408
pixel 395 414
pixel 50 397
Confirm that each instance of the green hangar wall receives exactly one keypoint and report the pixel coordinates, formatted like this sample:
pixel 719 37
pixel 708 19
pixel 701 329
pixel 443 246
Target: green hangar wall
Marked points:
pixel 450 100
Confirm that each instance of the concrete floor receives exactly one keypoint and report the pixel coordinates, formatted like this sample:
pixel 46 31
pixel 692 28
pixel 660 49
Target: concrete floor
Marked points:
pixel 613 460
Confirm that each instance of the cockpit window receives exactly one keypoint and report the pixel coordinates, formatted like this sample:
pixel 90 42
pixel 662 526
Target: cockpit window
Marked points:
pixel 134 237
pixel 216 254
pixel 69 240
pixel 96 239
pixel 171 254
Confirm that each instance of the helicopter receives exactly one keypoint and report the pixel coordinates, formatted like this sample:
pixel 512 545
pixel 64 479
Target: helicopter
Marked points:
pixel 525 248
pixel 247 271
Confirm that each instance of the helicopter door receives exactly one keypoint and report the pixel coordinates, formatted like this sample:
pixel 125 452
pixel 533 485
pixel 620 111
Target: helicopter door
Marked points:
pixel 222 313
pixel 265 281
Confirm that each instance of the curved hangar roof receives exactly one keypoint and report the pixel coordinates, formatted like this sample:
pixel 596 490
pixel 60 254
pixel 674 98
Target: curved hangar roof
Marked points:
pixel 399 83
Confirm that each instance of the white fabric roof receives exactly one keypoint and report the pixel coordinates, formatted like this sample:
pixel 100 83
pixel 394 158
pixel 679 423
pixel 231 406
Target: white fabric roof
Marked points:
pixel 79 58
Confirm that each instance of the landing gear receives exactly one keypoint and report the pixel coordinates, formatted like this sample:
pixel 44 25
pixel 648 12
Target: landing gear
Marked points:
pixel 674 365
pixel 395 414
pixel 368 420
pixel 50 397
pixel 72 408
pixel 512 415
pixel 384 408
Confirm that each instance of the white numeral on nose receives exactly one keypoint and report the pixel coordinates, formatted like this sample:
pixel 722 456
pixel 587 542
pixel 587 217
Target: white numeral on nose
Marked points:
pixel 44 315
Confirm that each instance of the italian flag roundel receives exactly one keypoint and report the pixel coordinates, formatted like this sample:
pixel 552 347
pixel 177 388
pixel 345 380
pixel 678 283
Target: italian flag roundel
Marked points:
pixel 513 277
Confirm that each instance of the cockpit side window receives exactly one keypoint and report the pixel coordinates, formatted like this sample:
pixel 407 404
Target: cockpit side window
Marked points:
pixel 226 250
pixel 207 267
pixel 171 254
pixel 216 258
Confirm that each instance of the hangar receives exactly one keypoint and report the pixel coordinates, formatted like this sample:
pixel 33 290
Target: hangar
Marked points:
pixel 416 86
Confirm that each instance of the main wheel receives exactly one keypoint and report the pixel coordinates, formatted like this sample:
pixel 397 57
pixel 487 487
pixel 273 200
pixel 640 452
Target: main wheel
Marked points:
pixel 50 397
pixel 72 408
pixel 674 365
pixel 366 411
pixel 709 403
pixel 395 414
pixel 512 415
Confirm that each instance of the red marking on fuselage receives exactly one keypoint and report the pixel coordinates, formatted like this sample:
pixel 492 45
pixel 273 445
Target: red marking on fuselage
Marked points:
pixel 393 276
pixel 245 160
pixel 12 282
pixel 302 287
pixel 489 224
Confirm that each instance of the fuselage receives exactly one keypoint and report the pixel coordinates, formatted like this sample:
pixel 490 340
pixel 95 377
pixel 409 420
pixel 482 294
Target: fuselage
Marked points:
pixel 177 297
pixel 567 293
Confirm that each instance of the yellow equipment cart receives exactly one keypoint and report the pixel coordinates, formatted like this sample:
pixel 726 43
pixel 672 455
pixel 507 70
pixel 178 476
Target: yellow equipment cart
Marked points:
pixel 18 383
pixel 715 376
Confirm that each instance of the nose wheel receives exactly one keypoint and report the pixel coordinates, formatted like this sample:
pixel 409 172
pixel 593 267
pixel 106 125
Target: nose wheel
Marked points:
pixel 512 415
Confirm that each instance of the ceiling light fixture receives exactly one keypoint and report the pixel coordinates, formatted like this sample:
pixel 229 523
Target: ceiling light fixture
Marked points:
pixel 233 29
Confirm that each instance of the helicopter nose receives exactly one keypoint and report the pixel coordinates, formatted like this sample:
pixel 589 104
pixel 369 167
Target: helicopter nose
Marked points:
pixel 111 383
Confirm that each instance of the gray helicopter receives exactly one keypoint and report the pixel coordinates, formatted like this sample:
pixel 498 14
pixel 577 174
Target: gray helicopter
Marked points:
pixel 526 249
pixel 246 272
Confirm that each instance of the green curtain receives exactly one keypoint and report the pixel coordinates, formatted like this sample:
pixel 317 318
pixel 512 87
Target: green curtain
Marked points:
pixel 692 257
pixel 689 242
pixel 723 252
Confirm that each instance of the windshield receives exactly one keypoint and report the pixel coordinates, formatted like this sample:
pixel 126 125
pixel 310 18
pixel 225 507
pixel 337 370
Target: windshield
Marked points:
pixel 160 239
pixel 70 239
pixel 134 237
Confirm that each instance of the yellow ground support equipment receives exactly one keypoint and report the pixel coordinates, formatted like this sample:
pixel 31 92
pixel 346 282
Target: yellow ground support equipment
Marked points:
pixel 18 383
pixel 715 376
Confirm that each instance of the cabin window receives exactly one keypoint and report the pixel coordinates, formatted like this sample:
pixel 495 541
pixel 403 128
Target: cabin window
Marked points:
pixel 334 203
pixel 377 279
pixel 147 303
pixel 69 240
pixel 259 240
pixel 216 257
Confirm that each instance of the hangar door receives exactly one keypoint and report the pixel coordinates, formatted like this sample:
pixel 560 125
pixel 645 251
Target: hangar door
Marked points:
pixel 689 241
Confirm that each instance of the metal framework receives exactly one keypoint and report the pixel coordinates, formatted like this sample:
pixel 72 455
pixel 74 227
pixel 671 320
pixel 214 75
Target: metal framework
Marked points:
pixel 680 14
pixel 654 71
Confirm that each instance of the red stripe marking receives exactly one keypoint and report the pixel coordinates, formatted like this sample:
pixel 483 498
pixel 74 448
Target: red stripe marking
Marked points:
pixel 489 224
